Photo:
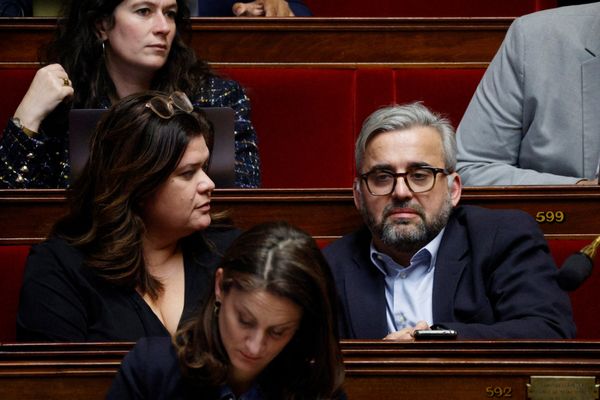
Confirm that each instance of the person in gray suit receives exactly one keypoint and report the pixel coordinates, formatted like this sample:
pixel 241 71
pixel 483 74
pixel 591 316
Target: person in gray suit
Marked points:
pixel 535 116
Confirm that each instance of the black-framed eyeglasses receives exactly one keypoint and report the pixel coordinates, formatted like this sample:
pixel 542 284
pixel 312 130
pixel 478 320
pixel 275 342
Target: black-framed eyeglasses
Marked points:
pixel 382 182
pixel 165 107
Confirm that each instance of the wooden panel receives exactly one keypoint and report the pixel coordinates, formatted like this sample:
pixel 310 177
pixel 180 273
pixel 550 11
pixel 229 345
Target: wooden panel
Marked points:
pixel 26 216
pixel 345 42
pixel 374 369
pixel 460 370
pixel 58 371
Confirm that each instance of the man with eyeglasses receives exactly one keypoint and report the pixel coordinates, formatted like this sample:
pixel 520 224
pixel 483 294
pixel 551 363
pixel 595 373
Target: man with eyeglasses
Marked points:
pixel 424 262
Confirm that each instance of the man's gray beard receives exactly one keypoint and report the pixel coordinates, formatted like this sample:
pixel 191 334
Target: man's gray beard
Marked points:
pixel 402 237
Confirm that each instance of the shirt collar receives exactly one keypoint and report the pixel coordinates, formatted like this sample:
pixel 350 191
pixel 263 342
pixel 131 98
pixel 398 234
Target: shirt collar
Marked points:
pixel 384 262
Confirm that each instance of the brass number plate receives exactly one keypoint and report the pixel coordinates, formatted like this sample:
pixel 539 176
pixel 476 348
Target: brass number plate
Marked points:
pixel 562 388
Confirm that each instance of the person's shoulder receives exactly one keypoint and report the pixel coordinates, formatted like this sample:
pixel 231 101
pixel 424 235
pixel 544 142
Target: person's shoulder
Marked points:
pixel 223 83
pixel 59 260
pixel 55 242
pixel 152 364
pixel 349 242
pixel 57 248
pixel 560 12
pixel 155 355
pixel 559 18
pixel 221 92
pixel 159 348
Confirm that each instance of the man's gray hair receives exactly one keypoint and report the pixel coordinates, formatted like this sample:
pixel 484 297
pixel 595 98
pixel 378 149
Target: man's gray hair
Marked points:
pixel 402 117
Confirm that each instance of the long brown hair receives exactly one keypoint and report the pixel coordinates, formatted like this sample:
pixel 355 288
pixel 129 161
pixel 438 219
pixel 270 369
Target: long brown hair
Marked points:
pixel 133 151
pixel 284 261
pixel 78 48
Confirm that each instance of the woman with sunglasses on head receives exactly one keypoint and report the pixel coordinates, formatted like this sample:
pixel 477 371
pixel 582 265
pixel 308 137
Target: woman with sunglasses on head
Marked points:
pixel 135 254
pixel 105 50
pixel 267 331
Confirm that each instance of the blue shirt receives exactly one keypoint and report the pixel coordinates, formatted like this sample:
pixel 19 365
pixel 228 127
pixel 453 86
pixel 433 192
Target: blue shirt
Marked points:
pixel 408 289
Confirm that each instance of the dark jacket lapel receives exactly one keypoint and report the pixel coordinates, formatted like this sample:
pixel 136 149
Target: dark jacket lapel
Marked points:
pixel 365 293
pixel 452 259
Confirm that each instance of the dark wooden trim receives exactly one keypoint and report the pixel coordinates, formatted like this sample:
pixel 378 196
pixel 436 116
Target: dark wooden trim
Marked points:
pixel 26 216
pixel 342 42
pixel 374 369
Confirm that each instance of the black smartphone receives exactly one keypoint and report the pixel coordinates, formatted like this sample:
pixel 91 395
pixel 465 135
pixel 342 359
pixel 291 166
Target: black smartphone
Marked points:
pixel 435 334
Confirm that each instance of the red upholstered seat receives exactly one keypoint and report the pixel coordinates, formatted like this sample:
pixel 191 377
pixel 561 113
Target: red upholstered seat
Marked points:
pixel 445 90
pixel 14 85
pixel 448 91
pixel 12 265
pixel 304 118
pixel 308 119
pixel 375 88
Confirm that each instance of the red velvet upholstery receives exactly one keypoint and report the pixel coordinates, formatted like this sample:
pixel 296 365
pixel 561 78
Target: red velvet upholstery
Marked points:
pixel 12 265
pixel 447 91
pixel 375 88
pixel 428 8
pixel 14 83
pixel 333 104
pixel 305 123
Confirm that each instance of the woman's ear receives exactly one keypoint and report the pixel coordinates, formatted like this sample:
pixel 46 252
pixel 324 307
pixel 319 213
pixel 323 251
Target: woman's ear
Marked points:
pixel 102 29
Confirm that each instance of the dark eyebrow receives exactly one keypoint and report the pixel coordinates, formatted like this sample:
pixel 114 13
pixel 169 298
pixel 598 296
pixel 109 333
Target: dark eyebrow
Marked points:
pixel 143 4
pixel 382 167
pixel 150 4
pixel 389 167
pixel 419 164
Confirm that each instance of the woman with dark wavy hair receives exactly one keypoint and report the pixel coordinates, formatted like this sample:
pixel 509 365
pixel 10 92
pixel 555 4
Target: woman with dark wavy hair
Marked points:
pixel 135 254
pixel 105 50
pixel 267 331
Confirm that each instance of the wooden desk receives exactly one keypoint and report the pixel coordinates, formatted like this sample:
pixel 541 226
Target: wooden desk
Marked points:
pixel 26 216
pixel 322 42
pixel 374 369
pixel 464 370
pixel 58 371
